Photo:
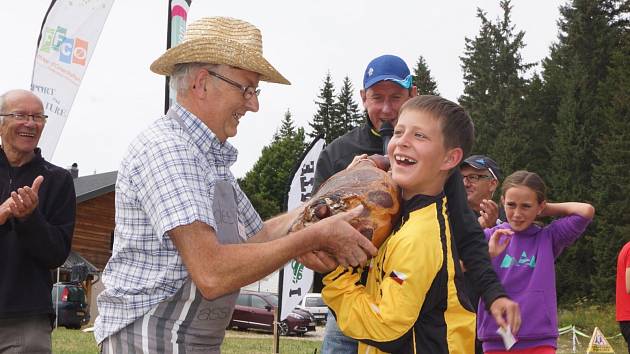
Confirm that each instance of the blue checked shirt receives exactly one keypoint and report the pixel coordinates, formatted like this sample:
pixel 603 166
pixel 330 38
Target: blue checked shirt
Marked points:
pixel 166 180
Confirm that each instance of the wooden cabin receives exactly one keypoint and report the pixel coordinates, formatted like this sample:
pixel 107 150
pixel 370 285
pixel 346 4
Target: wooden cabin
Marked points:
pixel 94 228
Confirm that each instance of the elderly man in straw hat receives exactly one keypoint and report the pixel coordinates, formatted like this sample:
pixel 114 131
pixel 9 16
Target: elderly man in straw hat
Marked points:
pixel 187 239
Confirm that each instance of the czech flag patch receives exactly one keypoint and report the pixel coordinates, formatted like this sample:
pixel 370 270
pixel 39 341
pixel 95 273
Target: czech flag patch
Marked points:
pixel 398 277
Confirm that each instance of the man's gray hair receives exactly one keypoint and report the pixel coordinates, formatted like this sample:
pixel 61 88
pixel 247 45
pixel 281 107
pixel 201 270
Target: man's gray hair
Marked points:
pixel 2 101
pixel 181 76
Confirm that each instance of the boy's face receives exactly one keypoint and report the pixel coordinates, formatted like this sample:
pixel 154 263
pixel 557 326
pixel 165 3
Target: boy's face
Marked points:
pixel 419 160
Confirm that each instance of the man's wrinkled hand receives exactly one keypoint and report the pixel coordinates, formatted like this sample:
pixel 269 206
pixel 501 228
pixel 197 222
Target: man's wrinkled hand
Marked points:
pixel 339 239
pixel 5 211
pixel 506 312
pixel 318 261
pixel 24 201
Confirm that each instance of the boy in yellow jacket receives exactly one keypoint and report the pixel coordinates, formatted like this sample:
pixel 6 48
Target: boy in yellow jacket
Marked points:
pixel 413 301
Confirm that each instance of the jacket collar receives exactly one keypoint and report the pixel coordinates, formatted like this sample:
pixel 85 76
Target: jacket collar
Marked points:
pixel 4 160
pixel 418 201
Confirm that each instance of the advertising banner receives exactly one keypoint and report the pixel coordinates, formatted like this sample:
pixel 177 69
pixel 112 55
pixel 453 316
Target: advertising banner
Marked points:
pixel 66 43
pixel 296 280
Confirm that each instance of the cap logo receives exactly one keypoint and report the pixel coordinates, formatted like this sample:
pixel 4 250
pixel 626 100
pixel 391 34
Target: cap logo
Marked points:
pixel 370 71
pixel 481 161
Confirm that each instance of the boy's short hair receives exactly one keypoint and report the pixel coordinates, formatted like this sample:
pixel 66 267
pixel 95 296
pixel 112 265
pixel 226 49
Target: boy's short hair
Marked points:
pixel 457 127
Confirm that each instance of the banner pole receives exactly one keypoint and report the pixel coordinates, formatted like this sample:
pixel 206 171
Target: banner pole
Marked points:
pixel 276 334
pixel 168 45
pixel 574 338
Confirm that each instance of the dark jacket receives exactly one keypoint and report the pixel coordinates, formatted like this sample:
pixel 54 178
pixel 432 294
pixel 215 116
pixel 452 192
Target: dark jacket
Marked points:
pixel 471 246
pixel 29 249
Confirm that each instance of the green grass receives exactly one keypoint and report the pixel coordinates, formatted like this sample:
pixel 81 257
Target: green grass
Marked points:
pixel 233 345
pixel 67 341
pixel 585 316
pixel 72 341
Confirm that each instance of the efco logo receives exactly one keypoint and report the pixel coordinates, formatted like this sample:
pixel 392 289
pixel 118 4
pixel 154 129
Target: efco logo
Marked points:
pixel 71 50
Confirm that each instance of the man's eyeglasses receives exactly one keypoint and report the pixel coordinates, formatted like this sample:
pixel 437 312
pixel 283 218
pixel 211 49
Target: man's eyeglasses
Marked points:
pixel 248 91
pixel 22 117
pixel 474 178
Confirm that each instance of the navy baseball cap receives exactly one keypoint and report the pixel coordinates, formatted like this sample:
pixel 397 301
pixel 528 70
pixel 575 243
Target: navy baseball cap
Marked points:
pixel 387 68
pixel 482 162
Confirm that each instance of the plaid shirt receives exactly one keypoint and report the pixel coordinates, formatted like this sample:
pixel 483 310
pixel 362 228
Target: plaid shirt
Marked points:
pixel 166 180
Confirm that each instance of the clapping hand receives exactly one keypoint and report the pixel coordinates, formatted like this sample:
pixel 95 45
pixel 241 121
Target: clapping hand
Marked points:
pixel 489 213
pixel 22 202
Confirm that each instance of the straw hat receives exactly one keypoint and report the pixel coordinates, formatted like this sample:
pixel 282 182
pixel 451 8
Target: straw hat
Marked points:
pixel 220 40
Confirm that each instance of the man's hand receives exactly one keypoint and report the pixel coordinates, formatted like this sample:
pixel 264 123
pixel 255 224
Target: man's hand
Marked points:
pixel 356 160
pixel 499 241
pixel 5 211
pixel 24 201
pixel 489 213
pixel 506 312
pixel 339 239
pixel 318 261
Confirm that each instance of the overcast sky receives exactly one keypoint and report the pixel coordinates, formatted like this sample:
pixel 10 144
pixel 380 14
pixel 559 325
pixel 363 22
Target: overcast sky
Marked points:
pixel 304 40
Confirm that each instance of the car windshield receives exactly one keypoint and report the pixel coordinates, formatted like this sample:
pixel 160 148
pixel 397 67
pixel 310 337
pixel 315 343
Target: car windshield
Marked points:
pixel 273 299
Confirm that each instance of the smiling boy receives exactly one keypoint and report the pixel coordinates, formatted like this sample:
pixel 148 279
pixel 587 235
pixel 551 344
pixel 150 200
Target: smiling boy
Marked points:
pixel 414 297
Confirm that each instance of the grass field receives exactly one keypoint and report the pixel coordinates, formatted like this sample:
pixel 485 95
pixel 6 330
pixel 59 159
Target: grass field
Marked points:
pixel 583 315
pixel 67 341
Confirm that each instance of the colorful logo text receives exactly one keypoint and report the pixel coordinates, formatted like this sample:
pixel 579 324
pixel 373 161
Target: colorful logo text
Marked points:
pixel 71 50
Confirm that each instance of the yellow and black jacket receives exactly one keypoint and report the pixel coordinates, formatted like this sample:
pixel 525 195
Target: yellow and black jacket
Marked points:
pixel 413 301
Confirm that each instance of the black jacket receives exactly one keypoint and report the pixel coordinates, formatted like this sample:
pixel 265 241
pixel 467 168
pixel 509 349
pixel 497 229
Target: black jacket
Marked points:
pixel 29 249
pixel 470 242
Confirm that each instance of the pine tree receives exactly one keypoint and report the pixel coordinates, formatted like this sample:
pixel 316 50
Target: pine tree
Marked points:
pixel 266 183
pixel 611 181
pixel 495 89
pixel 575 74
pixel 478 64
pixel 346 109
pixel 286 128
pixel 325 119
pixel 423 80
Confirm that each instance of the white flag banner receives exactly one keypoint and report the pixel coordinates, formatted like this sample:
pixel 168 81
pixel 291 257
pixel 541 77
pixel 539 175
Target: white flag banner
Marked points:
pixel 66 43
pixel 297 279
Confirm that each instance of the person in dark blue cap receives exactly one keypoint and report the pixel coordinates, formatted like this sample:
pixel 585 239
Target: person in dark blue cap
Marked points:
pixel 482 177
pixel 387 84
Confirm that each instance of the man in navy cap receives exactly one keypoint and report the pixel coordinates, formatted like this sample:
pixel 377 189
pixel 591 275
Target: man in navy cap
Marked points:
pixel 387 84
pixel 481 176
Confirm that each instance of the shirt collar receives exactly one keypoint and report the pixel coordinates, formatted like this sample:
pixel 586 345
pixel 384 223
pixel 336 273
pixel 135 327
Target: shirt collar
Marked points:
pixel 204 138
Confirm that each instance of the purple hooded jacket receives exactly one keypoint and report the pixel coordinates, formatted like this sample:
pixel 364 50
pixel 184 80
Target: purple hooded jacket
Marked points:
pixel 526 270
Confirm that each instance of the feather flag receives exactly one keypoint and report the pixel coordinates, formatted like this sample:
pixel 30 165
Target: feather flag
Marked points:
pixel 66 43
pixel 295 279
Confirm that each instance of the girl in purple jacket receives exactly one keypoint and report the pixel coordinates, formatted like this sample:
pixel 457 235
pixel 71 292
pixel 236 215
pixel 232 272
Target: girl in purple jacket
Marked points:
pixel 523 255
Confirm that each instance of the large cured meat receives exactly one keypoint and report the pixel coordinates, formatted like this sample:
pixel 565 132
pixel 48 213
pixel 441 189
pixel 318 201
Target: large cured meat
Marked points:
pixel 365 183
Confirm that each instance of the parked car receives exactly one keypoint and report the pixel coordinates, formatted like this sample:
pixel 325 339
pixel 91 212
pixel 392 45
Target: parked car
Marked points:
pixel 69 301
pixel 313 303
pixel 256 310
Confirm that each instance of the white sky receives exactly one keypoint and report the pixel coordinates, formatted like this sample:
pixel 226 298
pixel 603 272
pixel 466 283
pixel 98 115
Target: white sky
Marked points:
pixel 120 96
